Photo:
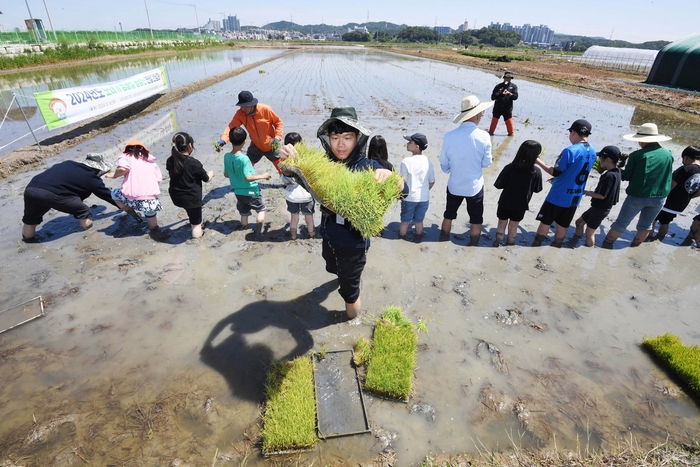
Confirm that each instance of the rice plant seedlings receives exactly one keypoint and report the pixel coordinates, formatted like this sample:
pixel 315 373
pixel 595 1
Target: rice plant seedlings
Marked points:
pixel 682 360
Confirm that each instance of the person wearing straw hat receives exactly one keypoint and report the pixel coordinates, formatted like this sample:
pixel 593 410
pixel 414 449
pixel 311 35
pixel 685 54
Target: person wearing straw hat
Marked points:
pixel 504 94
pixel 264 127
pixel 466 151
pixel 63 187
pixel 648 171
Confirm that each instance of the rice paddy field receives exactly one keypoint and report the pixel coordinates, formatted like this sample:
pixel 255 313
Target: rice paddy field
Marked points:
pixel 155 351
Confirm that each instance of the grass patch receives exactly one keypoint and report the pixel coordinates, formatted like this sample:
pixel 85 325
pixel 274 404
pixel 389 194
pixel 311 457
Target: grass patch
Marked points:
pixel 363 351
pixel 393 355
pixel 290 411
pixel 682 360
pixel 354 195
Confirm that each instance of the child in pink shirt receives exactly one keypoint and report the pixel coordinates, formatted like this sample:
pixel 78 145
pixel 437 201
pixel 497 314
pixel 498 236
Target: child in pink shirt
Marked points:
pixel 141 186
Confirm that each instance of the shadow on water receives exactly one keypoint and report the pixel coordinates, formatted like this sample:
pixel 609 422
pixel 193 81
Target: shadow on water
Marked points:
pixel 62 226
pixel 243 365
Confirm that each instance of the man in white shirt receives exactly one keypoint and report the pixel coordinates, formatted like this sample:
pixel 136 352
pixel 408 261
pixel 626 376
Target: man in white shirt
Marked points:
pixel 466 150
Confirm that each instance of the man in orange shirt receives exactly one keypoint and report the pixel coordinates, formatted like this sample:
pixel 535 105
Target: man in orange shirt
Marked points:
pixel 264 128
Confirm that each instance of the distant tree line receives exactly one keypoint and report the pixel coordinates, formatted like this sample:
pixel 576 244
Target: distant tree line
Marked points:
pixel 415 34
pixel 581 43
pixel 384 31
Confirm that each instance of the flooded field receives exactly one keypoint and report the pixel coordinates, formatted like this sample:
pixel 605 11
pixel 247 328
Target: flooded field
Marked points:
pixel 154 352
pixel 181 69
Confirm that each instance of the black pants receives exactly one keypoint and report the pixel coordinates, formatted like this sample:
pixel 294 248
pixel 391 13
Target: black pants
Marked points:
pixel 347 263
pixel 38 202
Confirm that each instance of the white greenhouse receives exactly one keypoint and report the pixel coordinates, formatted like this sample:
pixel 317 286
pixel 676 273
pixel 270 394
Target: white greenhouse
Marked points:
pixel 615 58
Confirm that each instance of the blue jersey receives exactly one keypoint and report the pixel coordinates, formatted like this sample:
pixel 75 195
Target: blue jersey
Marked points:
pixel 573 165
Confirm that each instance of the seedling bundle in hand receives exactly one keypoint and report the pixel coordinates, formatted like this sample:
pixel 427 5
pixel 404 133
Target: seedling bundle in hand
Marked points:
pixel 356 196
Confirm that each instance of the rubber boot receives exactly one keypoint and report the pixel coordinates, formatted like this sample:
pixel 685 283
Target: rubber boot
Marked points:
pixel 492 128
pixel 276 163
pixel 509 127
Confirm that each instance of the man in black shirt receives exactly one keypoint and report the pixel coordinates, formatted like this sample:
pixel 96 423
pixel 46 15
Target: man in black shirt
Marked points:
pixel 504 94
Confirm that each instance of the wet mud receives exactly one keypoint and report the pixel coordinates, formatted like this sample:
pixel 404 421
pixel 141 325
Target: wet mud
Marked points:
pixel 153 349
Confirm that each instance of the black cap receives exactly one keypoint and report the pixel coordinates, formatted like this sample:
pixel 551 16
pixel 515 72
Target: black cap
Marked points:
pixel 508 74
pixel 612 152
pixel 246 99
pixel 419 139
pixel 581 126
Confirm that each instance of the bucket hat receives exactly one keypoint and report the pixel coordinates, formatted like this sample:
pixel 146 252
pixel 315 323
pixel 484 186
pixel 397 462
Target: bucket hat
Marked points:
pixel 347 115
pixel 97 162
pixel 246 99
pixel 135 142
pixel 647 133
pixel 471 105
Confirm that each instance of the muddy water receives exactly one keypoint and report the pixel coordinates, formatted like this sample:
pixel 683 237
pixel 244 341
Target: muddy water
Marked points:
pixel 153 350
pixel 182 69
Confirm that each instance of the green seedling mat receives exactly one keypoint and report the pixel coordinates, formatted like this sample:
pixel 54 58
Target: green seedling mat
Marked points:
pixel 22 313
pixel 340 405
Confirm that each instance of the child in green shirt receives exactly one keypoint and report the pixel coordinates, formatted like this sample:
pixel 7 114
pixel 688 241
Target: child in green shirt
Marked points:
pixel 241 174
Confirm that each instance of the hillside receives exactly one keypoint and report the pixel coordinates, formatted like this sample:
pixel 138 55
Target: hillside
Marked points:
pixel 383 26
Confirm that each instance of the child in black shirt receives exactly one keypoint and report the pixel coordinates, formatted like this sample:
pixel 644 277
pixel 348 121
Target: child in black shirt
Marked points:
pixel 681 190
pixel 605 196
pixel 518 180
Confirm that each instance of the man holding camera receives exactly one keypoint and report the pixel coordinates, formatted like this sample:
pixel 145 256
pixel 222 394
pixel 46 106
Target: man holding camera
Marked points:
pixel 504 94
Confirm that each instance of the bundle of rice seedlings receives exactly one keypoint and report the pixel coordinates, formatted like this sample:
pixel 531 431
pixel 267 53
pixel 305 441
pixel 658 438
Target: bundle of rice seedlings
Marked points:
pixel 354 195
pixel 682 360
pixel 289 421
pixel 393 355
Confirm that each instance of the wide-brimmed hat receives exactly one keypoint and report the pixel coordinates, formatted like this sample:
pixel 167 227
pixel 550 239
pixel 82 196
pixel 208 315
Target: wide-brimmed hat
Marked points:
pixel 419 138
pixel 97 162
pixel 647 133
pixel 246 99
pixel 471 105
pixel 346 115
pixel 135 142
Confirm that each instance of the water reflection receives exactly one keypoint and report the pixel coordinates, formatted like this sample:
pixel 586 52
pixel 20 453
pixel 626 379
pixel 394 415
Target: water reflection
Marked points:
pixel 183 68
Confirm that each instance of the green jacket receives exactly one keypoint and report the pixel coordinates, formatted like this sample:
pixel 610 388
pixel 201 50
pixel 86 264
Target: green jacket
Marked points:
pixel 649 172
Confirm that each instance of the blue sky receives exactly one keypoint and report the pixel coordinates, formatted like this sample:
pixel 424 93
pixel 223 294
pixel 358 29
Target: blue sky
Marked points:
pixel 634 21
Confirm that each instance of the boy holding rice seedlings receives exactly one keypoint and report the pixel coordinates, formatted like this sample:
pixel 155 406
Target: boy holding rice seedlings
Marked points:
pixel 241 174
pixel 344 248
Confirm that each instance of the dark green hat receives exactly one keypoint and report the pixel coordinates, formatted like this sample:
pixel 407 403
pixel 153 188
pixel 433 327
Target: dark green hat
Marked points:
pixel 346 115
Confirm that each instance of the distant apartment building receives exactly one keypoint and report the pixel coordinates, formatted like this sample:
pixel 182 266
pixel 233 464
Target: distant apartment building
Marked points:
pixel 540 35
pixel 362 29
pixel 212 25
pixel 443 29
pixel 232 24
pixel 463 27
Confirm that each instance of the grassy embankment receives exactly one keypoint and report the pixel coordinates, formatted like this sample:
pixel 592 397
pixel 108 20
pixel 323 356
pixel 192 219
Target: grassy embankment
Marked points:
pixel 66 52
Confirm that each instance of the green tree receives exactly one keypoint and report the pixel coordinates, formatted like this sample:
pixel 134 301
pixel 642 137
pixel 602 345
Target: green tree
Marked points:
pixel 418 34
pixel 356 36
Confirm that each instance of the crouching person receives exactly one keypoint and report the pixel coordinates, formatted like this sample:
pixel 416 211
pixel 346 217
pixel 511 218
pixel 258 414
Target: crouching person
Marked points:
pixel 63 187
